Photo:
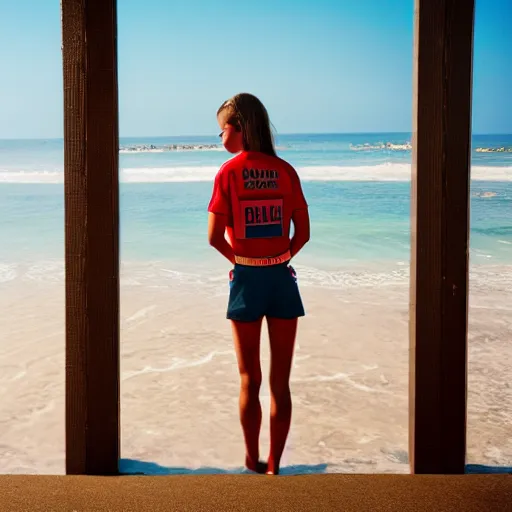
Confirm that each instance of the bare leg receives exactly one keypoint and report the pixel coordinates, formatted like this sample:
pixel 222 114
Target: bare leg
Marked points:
pixel 246 336
pixel 282 335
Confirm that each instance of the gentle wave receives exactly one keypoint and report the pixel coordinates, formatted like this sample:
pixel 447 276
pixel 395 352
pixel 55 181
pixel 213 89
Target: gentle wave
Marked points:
pixel 31 176
pixel 380 172
pixel 160 274
pixel 8 272
pixel 168 174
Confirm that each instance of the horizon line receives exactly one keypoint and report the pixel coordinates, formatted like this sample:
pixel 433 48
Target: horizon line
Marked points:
pixel 285 134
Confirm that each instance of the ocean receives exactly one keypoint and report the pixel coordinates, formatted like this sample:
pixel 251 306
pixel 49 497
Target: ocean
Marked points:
pixel 179 375
pixel 357 186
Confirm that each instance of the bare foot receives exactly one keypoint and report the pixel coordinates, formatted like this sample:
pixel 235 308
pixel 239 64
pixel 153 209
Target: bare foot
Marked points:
pixel 258 467
pixel 272 467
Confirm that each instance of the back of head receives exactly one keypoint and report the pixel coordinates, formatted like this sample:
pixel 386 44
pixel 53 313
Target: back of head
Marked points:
pixel 248 114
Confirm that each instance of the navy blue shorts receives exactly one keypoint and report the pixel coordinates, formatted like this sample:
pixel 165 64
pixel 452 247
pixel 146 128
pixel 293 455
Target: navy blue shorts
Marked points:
pixel 270 291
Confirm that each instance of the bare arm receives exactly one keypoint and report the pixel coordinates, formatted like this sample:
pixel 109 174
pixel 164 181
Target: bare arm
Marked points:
pixel 216 238
pixel 300 238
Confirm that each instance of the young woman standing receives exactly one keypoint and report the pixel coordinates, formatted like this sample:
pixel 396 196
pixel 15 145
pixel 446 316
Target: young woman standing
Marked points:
pixel 256 196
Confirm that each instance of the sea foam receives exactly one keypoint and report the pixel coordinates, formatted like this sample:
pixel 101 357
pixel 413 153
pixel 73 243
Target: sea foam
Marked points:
pixel 381 172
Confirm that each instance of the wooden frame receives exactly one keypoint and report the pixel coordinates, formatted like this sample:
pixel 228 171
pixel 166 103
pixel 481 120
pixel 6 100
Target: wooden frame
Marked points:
pixel 91 153
pixel 439 259
pixel 443 52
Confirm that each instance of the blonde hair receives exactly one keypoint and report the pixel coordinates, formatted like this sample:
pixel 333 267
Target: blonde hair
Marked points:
pixel 248 115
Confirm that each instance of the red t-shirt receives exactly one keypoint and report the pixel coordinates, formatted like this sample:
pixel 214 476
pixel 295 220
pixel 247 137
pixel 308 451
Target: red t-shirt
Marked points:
pixel 258 193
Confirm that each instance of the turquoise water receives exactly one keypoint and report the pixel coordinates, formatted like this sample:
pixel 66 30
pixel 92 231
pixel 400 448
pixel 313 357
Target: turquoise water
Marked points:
pixel 351 221
pixel 359 199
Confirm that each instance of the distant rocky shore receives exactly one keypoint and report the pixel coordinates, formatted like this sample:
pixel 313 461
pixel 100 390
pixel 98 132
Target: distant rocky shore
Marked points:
pixel 407 146
pixel 146 148
pixel 152 148
pixel 494 150
pixel 381 145
pixel 390 146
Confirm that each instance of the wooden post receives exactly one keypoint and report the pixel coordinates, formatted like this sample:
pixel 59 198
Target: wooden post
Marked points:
pixel 91 156
pixel 443 50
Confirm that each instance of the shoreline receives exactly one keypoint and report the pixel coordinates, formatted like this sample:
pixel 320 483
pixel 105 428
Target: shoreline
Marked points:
pixel 326 274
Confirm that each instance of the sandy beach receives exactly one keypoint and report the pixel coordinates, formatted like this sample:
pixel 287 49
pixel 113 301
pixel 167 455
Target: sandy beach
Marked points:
pixel 179 381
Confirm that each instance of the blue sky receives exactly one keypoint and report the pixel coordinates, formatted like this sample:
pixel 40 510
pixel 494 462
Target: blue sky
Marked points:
pixel 318 65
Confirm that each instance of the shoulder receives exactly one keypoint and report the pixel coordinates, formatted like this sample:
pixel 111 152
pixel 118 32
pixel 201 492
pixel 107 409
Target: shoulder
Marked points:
pixel 233 162
pixel 230 165
pixel 288 168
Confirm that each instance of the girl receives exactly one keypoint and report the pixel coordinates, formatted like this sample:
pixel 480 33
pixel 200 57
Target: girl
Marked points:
pixel 255 197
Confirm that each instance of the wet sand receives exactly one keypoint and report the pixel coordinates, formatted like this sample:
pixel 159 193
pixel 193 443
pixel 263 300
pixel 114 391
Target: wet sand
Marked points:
pixel 179 381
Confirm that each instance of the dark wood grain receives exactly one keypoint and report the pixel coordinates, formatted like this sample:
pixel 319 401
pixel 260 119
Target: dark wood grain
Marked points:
pixel 91 143
pixel 443 52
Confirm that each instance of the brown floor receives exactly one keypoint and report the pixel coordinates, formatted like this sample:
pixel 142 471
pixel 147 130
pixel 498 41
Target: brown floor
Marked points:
pixel 224 493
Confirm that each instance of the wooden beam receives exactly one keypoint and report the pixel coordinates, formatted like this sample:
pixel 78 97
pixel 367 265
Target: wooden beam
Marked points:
pixel 91 142
pixel 443 52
